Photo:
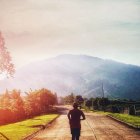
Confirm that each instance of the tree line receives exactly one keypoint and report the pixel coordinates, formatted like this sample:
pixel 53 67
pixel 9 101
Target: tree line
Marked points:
pixel 115 106
pixel 103 104
pixel 14 107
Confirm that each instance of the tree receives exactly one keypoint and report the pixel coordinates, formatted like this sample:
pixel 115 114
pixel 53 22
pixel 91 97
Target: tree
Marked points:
pixel 103 102
pixel 6 66
pixel 88 103
pixel 5 100
pixel 96 103
pixel 79 99
pixel 69 99
pixel 56 98
pixel 39 101
pixel 17 104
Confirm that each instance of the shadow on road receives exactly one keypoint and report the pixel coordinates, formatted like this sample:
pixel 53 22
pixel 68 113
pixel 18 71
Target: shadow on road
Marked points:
pixel 62 109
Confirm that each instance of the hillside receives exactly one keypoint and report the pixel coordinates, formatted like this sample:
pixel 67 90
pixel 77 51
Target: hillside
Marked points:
pixel 80 74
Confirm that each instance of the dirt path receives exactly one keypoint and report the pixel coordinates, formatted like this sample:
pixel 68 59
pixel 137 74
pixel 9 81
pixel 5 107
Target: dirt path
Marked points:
pixel 95 127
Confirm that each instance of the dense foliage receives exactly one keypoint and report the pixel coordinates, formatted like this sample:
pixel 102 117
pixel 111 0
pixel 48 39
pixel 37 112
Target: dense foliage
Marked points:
pixel 14 107
pixel 116 106
pixel 69 99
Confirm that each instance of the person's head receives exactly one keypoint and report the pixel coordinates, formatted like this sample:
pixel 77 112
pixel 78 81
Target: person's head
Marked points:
pixel 75 105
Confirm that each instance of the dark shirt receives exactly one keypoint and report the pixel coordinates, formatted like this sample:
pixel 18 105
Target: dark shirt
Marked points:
pixel 74 116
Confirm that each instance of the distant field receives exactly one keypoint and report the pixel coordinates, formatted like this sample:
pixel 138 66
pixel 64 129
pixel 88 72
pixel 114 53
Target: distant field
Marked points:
pixel 19 130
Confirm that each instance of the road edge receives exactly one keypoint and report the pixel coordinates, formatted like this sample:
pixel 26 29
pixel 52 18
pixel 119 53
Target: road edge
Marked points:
pixel 127 124
pixel 30 136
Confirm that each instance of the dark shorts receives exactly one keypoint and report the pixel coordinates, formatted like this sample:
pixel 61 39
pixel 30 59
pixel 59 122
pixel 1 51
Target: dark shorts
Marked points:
pixel 75 131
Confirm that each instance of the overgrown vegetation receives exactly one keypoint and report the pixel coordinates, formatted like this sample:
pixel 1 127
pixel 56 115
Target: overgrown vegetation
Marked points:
pixel 19 130
pixel 14 107
pixel 115 106
pixel 104 104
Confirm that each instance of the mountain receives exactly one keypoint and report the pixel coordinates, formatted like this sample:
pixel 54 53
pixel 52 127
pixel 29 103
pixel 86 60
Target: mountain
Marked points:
pixel 79 74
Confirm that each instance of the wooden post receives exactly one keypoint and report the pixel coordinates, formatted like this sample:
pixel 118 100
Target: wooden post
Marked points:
pixel 103 96
pixel 92 103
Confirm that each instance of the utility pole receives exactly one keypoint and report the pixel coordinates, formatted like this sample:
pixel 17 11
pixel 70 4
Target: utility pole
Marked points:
pixel 103 96
pixel 103 90
pixel 92 103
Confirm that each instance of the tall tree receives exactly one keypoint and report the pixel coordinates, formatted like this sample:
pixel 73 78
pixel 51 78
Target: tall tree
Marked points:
pixel 6 66
pixel 5 100
pixel 79 99
pixel 69 99
pixel 17 104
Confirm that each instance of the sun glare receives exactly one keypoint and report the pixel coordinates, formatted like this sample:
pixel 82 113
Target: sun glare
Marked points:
pixel 2 76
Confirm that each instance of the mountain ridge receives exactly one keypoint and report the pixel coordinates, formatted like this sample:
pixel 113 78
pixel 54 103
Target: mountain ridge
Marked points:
pixel 80 74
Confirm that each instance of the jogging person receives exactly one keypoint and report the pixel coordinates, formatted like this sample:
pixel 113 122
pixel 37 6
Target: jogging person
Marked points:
pixel 74 117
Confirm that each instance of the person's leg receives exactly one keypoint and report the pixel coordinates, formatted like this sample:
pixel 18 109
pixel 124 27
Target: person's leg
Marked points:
pixel 77 137
pixel 78 130
pixel 73 137
pixel 72 133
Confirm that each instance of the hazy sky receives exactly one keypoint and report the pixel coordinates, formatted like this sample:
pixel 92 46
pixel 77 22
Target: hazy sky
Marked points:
pixel 39 29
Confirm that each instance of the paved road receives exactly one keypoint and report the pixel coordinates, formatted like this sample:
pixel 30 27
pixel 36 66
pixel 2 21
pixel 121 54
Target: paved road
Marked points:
pixel 95 127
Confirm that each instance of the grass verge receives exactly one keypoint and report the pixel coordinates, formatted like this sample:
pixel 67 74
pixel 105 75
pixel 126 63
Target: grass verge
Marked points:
pixel 129 119
pixel 19 130
pixel 101 112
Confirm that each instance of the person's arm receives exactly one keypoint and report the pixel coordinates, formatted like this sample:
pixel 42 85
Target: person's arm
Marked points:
pixel 83 115
pixel 69 116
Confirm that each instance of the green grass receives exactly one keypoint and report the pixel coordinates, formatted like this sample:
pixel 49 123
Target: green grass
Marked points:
pixel 19 130
pixel 101 112
pixel 134 120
